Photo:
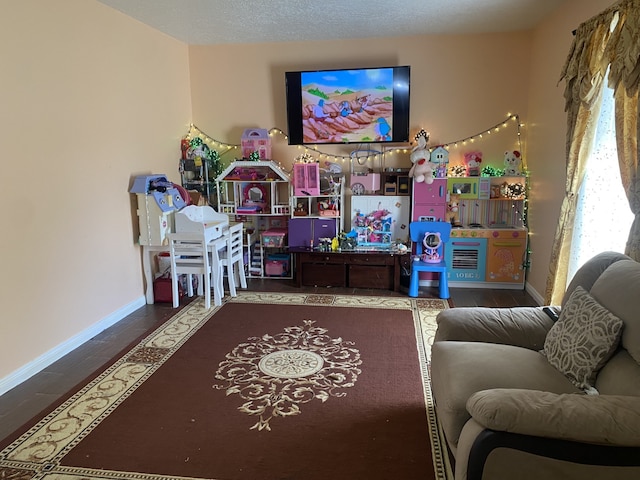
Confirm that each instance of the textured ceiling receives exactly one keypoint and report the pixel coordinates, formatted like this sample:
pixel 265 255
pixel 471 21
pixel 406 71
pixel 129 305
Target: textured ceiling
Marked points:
pixel 206 22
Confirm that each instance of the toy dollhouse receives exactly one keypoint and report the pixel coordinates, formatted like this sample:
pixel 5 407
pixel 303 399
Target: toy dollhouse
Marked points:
pixel 257 194
pixel 256 140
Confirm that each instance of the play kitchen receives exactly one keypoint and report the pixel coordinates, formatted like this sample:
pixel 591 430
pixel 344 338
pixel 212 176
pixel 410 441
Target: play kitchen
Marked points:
pixel 488 244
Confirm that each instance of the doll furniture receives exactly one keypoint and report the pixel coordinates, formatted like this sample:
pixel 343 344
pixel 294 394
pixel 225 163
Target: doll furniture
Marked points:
pixel 429 239
pixel 232 259
pixel 258 191
pixel 190 256
pixel 198 219
pixel 202 219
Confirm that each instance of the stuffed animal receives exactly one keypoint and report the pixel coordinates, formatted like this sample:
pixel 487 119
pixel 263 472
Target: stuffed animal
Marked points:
pixel 512 163
pixel 453 209
pixel 472 160
pixel 422 169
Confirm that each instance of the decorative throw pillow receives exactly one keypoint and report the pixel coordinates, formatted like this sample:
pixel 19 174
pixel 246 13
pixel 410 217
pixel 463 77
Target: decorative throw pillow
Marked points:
pixel 583 339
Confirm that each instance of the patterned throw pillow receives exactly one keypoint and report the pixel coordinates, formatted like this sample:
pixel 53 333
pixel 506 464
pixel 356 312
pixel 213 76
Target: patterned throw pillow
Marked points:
pixel 583 339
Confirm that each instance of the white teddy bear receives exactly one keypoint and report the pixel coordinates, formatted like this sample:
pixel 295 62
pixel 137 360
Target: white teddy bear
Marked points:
pixel 422 169
pixel 512 163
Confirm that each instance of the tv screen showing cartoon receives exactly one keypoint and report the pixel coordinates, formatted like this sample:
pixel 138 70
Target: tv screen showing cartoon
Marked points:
pixel 367 105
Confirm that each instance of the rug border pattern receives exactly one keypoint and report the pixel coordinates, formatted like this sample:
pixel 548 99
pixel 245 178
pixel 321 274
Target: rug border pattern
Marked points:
pixel 37 453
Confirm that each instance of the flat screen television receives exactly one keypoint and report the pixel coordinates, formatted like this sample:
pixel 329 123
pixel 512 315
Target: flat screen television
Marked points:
pixel 361 105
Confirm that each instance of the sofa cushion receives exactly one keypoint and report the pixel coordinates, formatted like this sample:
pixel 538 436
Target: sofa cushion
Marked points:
pixel 459 369
pixel 618 290
pixel 521 326
pixel 583 339
pixel 620 375
pixel 591 271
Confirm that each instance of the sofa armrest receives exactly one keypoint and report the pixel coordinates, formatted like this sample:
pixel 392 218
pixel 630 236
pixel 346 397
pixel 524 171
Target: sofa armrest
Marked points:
pixel 484 453
pixel 520 326
pixel 597 419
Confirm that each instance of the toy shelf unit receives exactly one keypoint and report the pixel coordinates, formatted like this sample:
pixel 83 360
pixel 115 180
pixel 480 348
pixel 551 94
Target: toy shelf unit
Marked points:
pixel 265 244
pixel 492 202
pixel 319 195
pixel 429 201
pixel 257 194
pixel 194 176
pixel 396 181
pixel 276 261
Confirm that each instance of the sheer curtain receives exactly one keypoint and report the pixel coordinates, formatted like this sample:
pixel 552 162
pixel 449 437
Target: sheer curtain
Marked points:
pixel 603 217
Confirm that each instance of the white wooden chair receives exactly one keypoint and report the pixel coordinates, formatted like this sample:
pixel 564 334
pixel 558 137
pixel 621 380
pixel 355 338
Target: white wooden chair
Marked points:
pixel 232 259
pixel 189 255
pixel 216 247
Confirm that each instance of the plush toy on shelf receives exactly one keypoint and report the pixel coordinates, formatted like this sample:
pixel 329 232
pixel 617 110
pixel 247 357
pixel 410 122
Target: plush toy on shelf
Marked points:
pixel 472 161
pixel 512 163
pixel 422 168
pixel 453 209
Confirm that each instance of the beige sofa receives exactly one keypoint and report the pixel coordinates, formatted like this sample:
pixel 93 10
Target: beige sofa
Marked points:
pixel 510 411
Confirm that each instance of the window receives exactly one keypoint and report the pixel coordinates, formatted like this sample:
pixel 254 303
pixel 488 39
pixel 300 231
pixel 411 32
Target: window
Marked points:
pixel 603 217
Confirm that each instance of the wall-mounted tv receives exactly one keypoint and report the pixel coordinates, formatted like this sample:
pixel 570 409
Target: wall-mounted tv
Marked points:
pixel 361 105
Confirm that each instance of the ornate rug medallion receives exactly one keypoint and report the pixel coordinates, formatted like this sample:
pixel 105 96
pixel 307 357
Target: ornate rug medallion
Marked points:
pixel 291 363
pixel 275 374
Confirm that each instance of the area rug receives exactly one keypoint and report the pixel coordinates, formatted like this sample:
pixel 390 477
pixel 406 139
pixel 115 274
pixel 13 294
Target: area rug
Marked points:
pixel 265 387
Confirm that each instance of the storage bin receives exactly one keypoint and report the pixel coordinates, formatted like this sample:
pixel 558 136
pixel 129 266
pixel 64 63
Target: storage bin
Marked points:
pixel 285 258
pixel 164 262
pixel 274 237
pixel 275 268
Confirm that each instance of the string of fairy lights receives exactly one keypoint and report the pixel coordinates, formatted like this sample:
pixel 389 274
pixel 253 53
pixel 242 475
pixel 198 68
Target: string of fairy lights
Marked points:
pixel 313 152
pixel 363 155
pixel 310 151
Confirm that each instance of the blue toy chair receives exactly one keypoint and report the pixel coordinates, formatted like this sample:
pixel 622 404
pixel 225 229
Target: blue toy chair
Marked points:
pixel 429 238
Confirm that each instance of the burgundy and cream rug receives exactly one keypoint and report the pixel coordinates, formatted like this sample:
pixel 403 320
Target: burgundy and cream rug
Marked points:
pixel 265 387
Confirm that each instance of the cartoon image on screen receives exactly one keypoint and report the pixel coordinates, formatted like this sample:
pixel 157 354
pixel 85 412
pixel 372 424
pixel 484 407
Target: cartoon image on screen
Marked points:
pixel 347 106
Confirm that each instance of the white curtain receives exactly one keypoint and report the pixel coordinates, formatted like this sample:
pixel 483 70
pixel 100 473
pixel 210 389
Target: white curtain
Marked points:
pixel 603 217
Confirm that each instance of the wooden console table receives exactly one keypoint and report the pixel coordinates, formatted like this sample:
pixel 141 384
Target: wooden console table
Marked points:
pixel 370 269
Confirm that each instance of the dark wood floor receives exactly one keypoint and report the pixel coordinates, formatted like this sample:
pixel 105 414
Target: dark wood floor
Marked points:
pixel 28 399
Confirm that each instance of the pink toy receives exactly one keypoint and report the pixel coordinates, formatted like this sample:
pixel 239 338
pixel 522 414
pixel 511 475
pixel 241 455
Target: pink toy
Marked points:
pixel 472 161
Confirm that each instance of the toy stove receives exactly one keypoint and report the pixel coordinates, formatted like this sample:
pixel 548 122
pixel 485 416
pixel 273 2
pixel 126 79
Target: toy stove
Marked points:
pixel 492 254
pixel 470 226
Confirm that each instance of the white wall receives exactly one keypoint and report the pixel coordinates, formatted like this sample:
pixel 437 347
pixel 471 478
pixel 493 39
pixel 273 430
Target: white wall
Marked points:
pixel 90 98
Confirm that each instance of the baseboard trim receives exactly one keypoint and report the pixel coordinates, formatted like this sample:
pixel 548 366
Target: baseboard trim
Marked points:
pixel 27 371
pixel 534 293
